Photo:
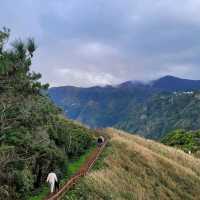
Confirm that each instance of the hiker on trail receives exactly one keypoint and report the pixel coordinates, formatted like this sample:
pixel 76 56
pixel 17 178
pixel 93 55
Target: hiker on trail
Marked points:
pixel 51 179
pixel 57 186
pixel 100 140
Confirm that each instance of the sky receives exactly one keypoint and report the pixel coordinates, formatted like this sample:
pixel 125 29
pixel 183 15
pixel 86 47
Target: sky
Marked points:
pixel 99 42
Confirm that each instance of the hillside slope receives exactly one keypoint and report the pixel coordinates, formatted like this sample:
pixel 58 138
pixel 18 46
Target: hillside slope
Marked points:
pixel 137 168
pixel 98 106
pixel 162 113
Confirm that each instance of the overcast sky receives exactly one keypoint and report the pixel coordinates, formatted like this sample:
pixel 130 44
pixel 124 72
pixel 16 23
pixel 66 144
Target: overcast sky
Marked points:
pixel 98 42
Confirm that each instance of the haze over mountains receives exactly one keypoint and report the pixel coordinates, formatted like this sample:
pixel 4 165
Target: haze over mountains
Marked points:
pixel 149 109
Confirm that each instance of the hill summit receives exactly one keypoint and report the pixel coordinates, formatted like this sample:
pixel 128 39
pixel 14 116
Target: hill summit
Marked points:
pixel 171 84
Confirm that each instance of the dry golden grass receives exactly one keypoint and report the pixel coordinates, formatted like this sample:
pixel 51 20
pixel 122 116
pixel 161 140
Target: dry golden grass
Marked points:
pixel 140 169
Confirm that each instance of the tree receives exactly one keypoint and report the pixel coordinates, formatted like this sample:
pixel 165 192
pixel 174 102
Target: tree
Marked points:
pixel 29 122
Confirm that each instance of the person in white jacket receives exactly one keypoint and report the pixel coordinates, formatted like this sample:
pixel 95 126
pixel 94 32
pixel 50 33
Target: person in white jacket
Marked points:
pixel 51 179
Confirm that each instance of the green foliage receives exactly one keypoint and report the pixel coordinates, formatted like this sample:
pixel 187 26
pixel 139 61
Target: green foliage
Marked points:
pixel 75 165
pixel 4 35
pixel 31 47
pixel 185 140
pixel 72 167
pixel 34 136
pixel 72 137
pixel 24 181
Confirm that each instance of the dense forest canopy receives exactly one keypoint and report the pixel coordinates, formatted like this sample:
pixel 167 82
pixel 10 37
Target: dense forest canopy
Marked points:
pixel 34 135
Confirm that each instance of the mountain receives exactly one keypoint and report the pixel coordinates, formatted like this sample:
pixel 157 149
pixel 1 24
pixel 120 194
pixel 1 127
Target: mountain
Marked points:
pixel 97 106
pixel 134 168
pixel 166 83
pixel 82 103
pixel 150 109
pixel 171 84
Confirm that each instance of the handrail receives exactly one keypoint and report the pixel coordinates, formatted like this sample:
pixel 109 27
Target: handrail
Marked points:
pixel 86 167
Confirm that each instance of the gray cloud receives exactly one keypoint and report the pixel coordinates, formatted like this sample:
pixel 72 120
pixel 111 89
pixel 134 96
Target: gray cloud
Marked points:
pixel 91 42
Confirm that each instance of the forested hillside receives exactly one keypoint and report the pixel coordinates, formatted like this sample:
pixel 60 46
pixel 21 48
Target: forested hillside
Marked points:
pixel 34 136
pixel 163 113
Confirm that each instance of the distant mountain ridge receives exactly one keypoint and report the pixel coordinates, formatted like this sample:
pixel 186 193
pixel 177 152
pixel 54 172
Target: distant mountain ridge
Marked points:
pixel 171 84
pixel 167 83
pixel 138 107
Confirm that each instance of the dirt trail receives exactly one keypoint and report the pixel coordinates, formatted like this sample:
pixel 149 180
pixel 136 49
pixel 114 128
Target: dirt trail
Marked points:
pixel 85 168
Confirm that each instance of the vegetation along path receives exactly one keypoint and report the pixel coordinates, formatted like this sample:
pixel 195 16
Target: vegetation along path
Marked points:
pixel 84 169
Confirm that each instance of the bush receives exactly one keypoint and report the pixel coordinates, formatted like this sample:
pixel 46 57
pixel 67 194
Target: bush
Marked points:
pixel 185 140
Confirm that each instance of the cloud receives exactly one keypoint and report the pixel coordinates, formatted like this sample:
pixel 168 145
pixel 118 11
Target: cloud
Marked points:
pixel 91 42
pixel 84 77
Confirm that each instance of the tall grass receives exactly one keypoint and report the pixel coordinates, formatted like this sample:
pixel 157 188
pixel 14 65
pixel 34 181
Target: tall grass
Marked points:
pixel 144 170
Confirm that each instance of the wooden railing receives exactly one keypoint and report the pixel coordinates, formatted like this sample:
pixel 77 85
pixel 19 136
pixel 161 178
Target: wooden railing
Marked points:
pixel 85 168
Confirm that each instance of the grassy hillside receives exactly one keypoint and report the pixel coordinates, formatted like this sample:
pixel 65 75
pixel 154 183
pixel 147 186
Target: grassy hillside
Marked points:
pixel 137 168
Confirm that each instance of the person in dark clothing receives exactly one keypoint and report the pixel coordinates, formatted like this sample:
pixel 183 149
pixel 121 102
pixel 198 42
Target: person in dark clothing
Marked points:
pixel 57 185
pixel 100 140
